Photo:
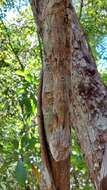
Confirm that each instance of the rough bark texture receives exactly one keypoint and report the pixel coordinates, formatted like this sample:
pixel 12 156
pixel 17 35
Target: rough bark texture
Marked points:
pixel 72 94
pixel 89 107
pixel 54 24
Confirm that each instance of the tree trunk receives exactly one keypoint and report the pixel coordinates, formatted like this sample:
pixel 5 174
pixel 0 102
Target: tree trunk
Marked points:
pixel 89 107
pixel 54 27
pixel 71 95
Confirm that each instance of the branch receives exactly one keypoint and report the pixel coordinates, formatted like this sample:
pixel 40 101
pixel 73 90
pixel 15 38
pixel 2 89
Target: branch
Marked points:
pixel 81 7
pixel 12 48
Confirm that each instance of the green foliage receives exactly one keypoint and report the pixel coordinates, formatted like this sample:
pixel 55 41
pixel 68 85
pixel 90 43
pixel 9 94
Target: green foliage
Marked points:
pixel 94 21
pixel 20 65
pixel 79 171
pixel 104 77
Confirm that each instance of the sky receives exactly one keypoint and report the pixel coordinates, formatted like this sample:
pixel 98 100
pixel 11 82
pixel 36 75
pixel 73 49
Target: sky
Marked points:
pixel 13 13
pixel 102 49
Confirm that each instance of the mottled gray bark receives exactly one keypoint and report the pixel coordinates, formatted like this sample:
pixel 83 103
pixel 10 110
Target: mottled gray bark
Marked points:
pixel 72 95
pixel 89 106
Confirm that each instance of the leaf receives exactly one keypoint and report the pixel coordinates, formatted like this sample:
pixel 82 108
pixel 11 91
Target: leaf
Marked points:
pixel 16 143
pixel 24 141
pixel 21 173
pixel 20 73
pixel 104 77
pixel 28 78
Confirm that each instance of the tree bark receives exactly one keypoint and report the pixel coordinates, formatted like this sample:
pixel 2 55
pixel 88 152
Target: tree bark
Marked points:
pixel 89 106
pixel 71 95
pixel 53 19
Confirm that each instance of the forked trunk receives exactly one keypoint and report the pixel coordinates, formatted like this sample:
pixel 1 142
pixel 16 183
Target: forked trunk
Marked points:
pixel 71 95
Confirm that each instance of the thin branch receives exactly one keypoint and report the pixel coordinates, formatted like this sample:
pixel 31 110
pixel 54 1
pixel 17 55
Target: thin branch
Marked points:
pixel 81 8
